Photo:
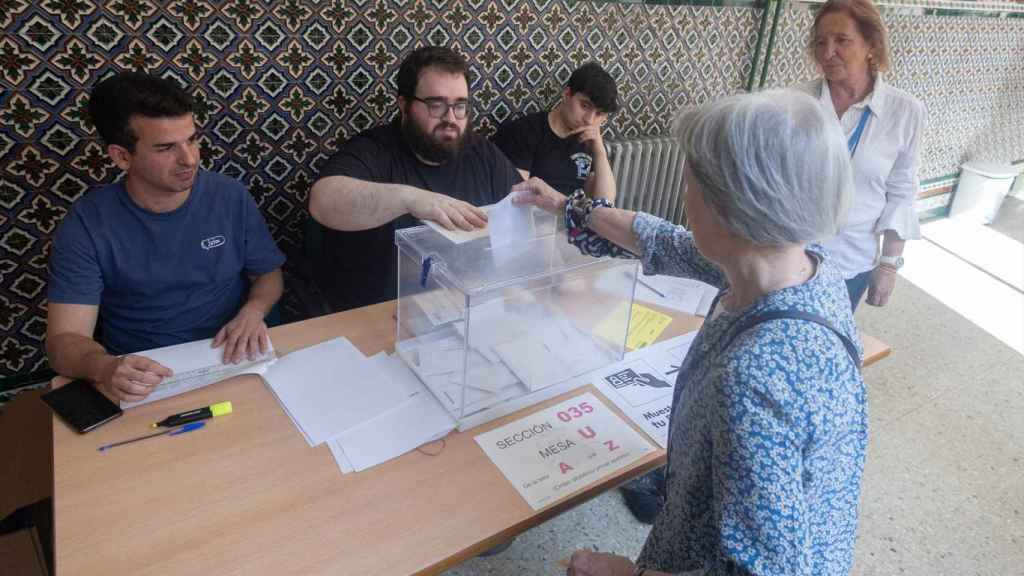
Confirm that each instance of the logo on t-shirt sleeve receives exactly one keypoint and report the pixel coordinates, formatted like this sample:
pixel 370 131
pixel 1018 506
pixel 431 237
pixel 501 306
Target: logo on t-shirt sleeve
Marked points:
pixel 582 161
pixel 213 242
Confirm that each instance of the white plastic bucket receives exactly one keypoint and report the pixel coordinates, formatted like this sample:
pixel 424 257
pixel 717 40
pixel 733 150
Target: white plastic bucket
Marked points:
pixel 981 191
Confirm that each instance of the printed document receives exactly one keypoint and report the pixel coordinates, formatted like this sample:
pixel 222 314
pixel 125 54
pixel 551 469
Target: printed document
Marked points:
pixel 196 364
pixel 642 384
pixel 554 452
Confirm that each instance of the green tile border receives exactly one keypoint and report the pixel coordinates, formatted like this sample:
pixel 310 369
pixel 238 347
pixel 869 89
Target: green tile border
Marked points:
pixel 939 8
pixel 933 214
pixel 972 13
pixel 925 7
pixel 952 178
pixel 948 178
pixel 715 3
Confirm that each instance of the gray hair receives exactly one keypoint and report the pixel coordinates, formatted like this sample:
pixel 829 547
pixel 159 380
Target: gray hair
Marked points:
pixel 773 167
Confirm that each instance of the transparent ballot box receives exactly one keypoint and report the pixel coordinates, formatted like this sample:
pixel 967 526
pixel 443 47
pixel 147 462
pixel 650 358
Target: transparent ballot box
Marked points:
pixel 491 329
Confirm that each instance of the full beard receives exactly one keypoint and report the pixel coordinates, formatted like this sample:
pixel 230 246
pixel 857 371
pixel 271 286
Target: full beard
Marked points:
pixel 430 147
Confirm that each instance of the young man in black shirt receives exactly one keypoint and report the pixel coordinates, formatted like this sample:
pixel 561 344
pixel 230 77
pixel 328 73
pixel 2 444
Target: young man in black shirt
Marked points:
pixel 427 164
pixel 563 146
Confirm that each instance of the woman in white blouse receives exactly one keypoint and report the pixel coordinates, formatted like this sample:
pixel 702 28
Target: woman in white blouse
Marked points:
pixel 883 126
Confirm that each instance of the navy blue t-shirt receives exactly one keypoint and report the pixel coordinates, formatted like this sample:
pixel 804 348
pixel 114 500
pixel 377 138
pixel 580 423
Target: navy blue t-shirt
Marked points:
pixel 530 144
pixel 161 279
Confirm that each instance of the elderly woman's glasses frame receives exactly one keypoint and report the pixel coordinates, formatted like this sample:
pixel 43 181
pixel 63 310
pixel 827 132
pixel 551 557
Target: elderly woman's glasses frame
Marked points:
pixel 438 107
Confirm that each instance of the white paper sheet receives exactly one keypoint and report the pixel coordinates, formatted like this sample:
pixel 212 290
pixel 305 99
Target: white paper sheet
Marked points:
pixel 536 363
pixel 295 422
pixel 441 357
pixel 438 307
pixel 496 322
pixel 683 294
pixel 344 464
pixel 414 422
pixel 196 364
pixel 483 374
pixel 511 227
pixel 553 351
pixel 331 387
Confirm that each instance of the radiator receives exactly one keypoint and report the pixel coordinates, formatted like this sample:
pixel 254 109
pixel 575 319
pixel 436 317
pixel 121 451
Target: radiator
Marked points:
pixel 648 172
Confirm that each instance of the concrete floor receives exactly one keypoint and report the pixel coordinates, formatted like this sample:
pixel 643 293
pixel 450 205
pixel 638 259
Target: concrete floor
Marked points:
pixel 943 488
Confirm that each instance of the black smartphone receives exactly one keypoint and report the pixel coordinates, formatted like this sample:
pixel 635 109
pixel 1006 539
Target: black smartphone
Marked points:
pixel 81 405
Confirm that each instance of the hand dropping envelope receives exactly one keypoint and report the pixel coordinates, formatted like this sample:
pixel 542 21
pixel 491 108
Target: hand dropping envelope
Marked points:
pixel 511 226
pixel 459 236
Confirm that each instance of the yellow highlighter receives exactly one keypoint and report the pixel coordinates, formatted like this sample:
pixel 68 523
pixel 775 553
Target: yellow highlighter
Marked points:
pixel 218 409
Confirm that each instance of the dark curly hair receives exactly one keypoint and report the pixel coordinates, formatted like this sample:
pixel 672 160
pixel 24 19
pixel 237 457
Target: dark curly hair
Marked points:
pixel 444 58
pixel 116 99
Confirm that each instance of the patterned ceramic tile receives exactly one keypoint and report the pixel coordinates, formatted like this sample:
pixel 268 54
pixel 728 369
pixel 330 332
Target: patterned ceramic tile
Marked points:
pixel 279 85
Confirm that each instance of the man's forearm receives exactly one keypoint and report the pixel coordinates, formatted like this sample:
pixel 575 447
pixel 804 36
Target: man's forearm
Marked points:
pixel 265 291
pixel 77 356
pixel 350 204
pixel 602 180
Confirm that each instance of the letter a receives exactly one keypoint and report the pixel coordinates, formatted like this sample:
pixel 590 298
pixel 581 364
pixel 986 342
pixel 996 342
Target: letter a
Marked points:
pixel 564 467
pixel 587 432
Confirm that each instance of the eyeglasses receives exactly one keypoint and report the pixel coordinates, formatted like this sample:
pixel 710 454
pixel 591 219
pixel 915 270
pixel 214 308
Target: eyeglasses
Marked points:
pixel 438 108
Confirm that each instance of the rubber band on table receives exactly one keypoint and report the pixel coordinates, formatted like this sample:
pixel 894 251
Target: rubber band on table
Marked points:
pixel 444 443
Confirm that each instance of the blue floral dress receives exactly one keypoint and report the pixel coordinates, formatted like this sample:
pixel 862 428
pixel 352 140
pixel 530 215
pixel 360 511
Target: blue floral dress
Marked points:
pixel 767 434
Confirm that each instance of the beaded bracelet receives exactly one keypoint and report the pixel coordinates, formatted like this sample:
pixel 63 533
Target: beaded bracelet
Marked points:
pixel 578 211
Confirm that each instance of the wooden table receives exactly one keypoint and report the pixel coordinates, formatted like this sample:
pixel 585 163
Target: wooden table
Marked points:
pixel 247 495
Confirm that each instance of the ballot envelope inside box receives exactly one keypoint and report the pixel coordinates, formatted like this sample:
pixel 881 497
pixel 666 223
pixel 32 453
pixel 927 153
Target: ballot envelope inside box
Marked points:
pixel 493 324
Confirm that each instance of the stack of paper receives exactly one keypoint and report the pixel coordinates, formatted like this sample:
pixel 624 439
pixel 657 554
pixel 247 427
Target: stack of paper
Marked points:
pixel 197 364
pixel 416 420
pixel 439 358
pixel 368 410
pixel 513 349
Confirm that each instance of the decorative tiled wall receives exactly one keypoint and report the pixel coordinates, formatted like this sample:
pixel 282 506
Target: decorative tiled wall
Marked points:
pixel 280 83
pixel 968 71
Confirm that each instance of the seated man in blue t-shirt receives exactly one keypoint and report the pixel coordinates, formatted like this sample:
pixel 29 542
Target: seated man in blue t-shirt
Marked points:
pixel 169 254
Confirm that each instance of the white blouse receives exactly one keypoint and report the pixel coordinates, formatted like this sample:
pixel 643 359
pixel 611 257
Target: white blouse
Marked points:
pixel 885 172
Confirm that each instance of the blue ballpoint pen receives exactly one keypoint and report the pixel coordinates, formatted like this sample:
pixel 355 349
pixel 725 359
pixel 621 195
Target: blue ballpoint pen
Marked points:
pixel 171 432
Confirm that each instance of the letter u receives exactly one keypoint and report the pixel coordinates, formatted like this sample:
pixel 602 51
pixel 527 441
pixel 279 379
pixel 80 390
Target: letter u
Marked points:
pixel 587 432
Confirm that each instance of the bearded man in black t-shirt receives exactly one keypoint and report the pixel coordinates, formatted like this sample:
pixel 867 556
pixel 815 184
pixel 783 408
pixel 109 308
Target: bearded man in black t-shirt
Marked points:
pixel 427 164
pixel 563 146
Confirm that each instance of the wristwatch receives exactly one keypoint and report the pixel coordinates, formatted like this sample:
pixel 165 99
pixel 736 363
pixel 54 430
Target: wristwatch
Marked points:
pixel 892 261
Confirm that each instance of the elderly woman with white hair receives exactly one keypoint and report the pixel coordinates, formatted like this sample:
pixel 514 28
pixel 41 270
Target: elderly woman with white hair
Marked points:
pixel 769 425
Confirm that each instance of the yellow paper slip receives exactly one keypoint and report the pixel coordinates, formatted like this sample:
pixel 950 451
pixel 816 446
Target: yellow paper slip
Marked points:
pixel 645 325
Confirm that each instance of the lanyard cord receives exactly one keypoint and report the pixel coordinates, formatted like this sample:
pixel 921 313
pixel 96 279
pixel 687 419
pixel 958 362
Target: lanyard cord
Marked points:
pixel 854 140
